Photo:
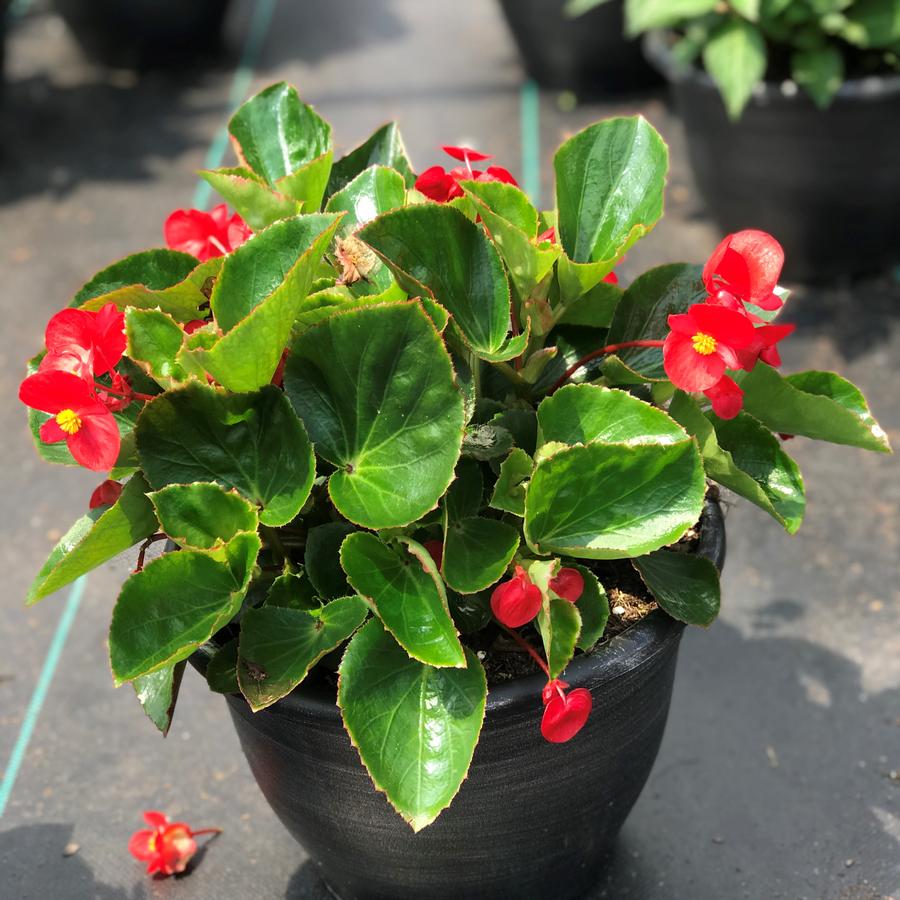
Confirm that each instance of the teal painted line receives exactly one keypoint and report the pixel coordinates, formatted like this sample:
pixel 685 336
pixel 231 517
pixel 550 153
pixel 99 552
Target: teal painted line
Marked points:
pixel 530 115
pixel 40 691
pixel 240 85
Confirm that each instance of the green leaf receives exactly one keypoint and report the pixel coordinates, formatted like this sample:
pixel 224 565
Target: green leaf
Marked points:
pixel 258 204
pixel 251 442
pixel 435 251
pixel 505 201
pixel 873 23
pixel 610 179
pixel 259 293
pixel 487 441
pixel 580 413
pixel 202 516
pixel 772 480
pixel 404 589
pixel 819 405
pixel 374 191
pixel 174 604
pixel 819 71
pixel 559 624
pixel 593 607
pixel 154 342
pixel 323 558
pixel 307 184
pixel 158 693
pixel 96 538
pixel 477 552
pixel 608 501
pixel 293 590
pixel 415 726
pixel 595 309
pixel 735 57
pixel 642 15
pixel 464 496
pixel 279 646
pixel 644 312
pixel 685 586
pixel 749 9
pixel 509 490
pixel 375 389
pixel 383 148
pixel 276 133
pixel 154 269
pixel 221 671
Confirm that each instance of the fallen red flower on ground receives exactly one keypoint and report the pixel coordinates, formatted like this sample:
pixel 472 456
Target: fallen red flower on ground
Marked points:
pixel 167 847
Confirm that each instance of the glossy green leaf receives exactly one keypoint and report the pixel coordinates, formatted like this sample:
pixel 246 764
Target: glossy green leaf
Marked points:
pixel 258 204
pixel 819 71
pixel 607 501
pixel 293 590
pixel 251 442
pixel 374 191
pixel 610 179
pixel 435 251
pixel 383 148
pixel 279 646
pixel 154 269
pixel 277 133
pixel 403 587
pixel 595 309
pixel 642 15
pixel 154 342
pixel 749 9
pixel 736 58
pixel 96 538
pixel 202 516
pixel 580 413
pixel 307 184
pixel 174 604
pixel 477 551
pixel 593 607
pixel 685 586
pixel 873 23
pixel 559 624
pixel 772 480
pixel 415 726
pixel 509 489
pixel 322 559
pixel 375 388
pixel 818 405
pixel 158 693
pixel 221 671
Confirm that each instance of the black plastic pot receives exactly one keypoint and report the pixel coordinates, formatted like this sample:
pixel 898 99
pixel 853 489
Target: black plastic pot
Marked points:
pixel 532 818
pixel 145 33
pixel 588 54
pixel 823 182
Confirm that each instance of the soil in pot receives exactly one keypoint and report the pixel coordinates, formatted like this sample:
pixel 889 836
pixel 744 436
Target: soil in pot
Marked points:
pixel 823 182
pixel 588 54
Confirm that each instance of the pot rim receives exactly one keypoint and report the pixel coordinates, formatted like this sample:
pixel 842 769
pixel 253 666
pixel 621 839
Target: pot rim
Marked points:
pixel 658 54
pixel 631 648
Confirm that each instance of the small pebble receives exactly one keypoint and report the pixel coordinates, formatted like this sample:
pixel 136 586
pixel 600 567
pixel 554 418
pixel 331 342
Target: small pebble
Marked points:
pixel 718 839
pixel 71 849
pixel 849 862
pixel 618 610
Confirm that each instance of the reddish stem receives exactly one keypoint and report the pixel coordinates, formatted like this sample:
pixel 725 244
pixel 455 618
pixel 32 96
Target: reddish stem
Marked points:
pixel 206 831
pixel 108 390
pixel 527 648
pixel 609 348
pixel 159 536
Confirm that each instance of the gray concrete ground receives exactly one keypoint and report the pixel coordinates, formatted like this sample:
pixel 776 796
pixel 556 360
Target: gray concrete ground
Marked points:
pixel 778 774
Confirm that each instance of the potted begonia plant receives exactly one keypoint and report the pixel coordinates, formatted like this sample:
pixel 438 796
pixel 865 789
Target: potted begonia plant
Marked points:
pixel 405 438
pixel 781 102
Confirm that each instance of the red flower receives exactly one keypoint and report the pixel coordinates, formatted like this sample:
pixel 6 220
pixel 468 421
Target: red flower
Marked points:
pixel 466 154
pixel 105 494
pixel 517 601
pixel 748 264
pixel 441 186
pixel 205 234
pixel 612 278
pixel 85 342
pixel 703 343
pixel 568 583
pixel 764 346
pixel 79 417
pixel 726 398
pixel 168 847
pixel 435 551
pixel 548 235
pixel 564 714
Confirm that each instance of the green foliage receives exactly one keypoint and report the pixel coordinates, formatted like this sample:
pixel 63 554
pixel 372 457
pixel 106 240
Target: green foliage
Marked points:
pixel 684 585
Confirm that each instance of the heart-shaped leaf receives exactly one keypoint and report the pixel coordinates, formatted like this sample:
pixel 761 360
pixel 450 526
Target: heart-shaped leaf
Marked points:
pixel 477 552
pixel 685 586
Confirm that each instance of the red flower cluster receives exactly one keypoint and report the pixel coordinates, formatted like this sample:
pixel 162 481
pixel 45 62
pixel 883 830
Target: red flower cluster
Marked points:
pixel 81 345
pixel 205 234
pixel 440 185
pixel 722 333
pixel 167 847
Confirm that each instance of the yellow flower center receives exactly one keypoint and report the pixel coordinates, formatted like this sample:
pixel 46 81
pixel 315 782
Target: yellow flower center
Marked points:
pixel 704 344
pixel 69 421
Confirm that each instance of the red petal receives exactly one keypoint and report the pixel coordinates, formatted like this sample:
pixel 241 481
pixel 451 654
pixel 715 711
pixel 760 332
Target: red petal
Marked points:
pixel 51 433
pixel 54 391
pixel 548 235
pixel 726 398
pixel 435 551
pixel 552 689
pixel 565 716
pixel 682 324
pixel 139 845
pixel 727 326
pixel 155 819
pixel 76 360
pixel 188 230
pixel 517 601
pixel 109 338
pixel 69 327
pixel 105 494
pixel 687 369
pixel 237 232
pixel 568 583
pixel 498 173
pixel 612 278
pixel 96 444
pixel 435 184
pixel 749 264
pixel 463 153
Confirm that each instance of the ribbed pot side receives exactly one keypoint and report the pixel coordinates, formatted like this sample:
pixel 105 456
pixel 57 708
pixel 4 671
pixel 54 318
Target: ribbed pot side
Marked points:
pixel 531 819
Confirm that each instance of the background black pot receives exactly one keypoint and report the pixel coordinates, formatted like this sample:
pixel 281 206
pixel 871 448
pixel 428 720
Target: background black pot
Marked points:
pixel 531 819
pixel 588 54
pixel 145 32
pixel 823 182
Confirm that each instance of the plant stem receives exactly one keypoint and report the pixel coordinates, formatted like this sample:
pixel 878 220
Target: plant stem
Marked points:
pixel 273 541
pixel 527 648
pixel 134 394
pixel 206 831
pixel 609 348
